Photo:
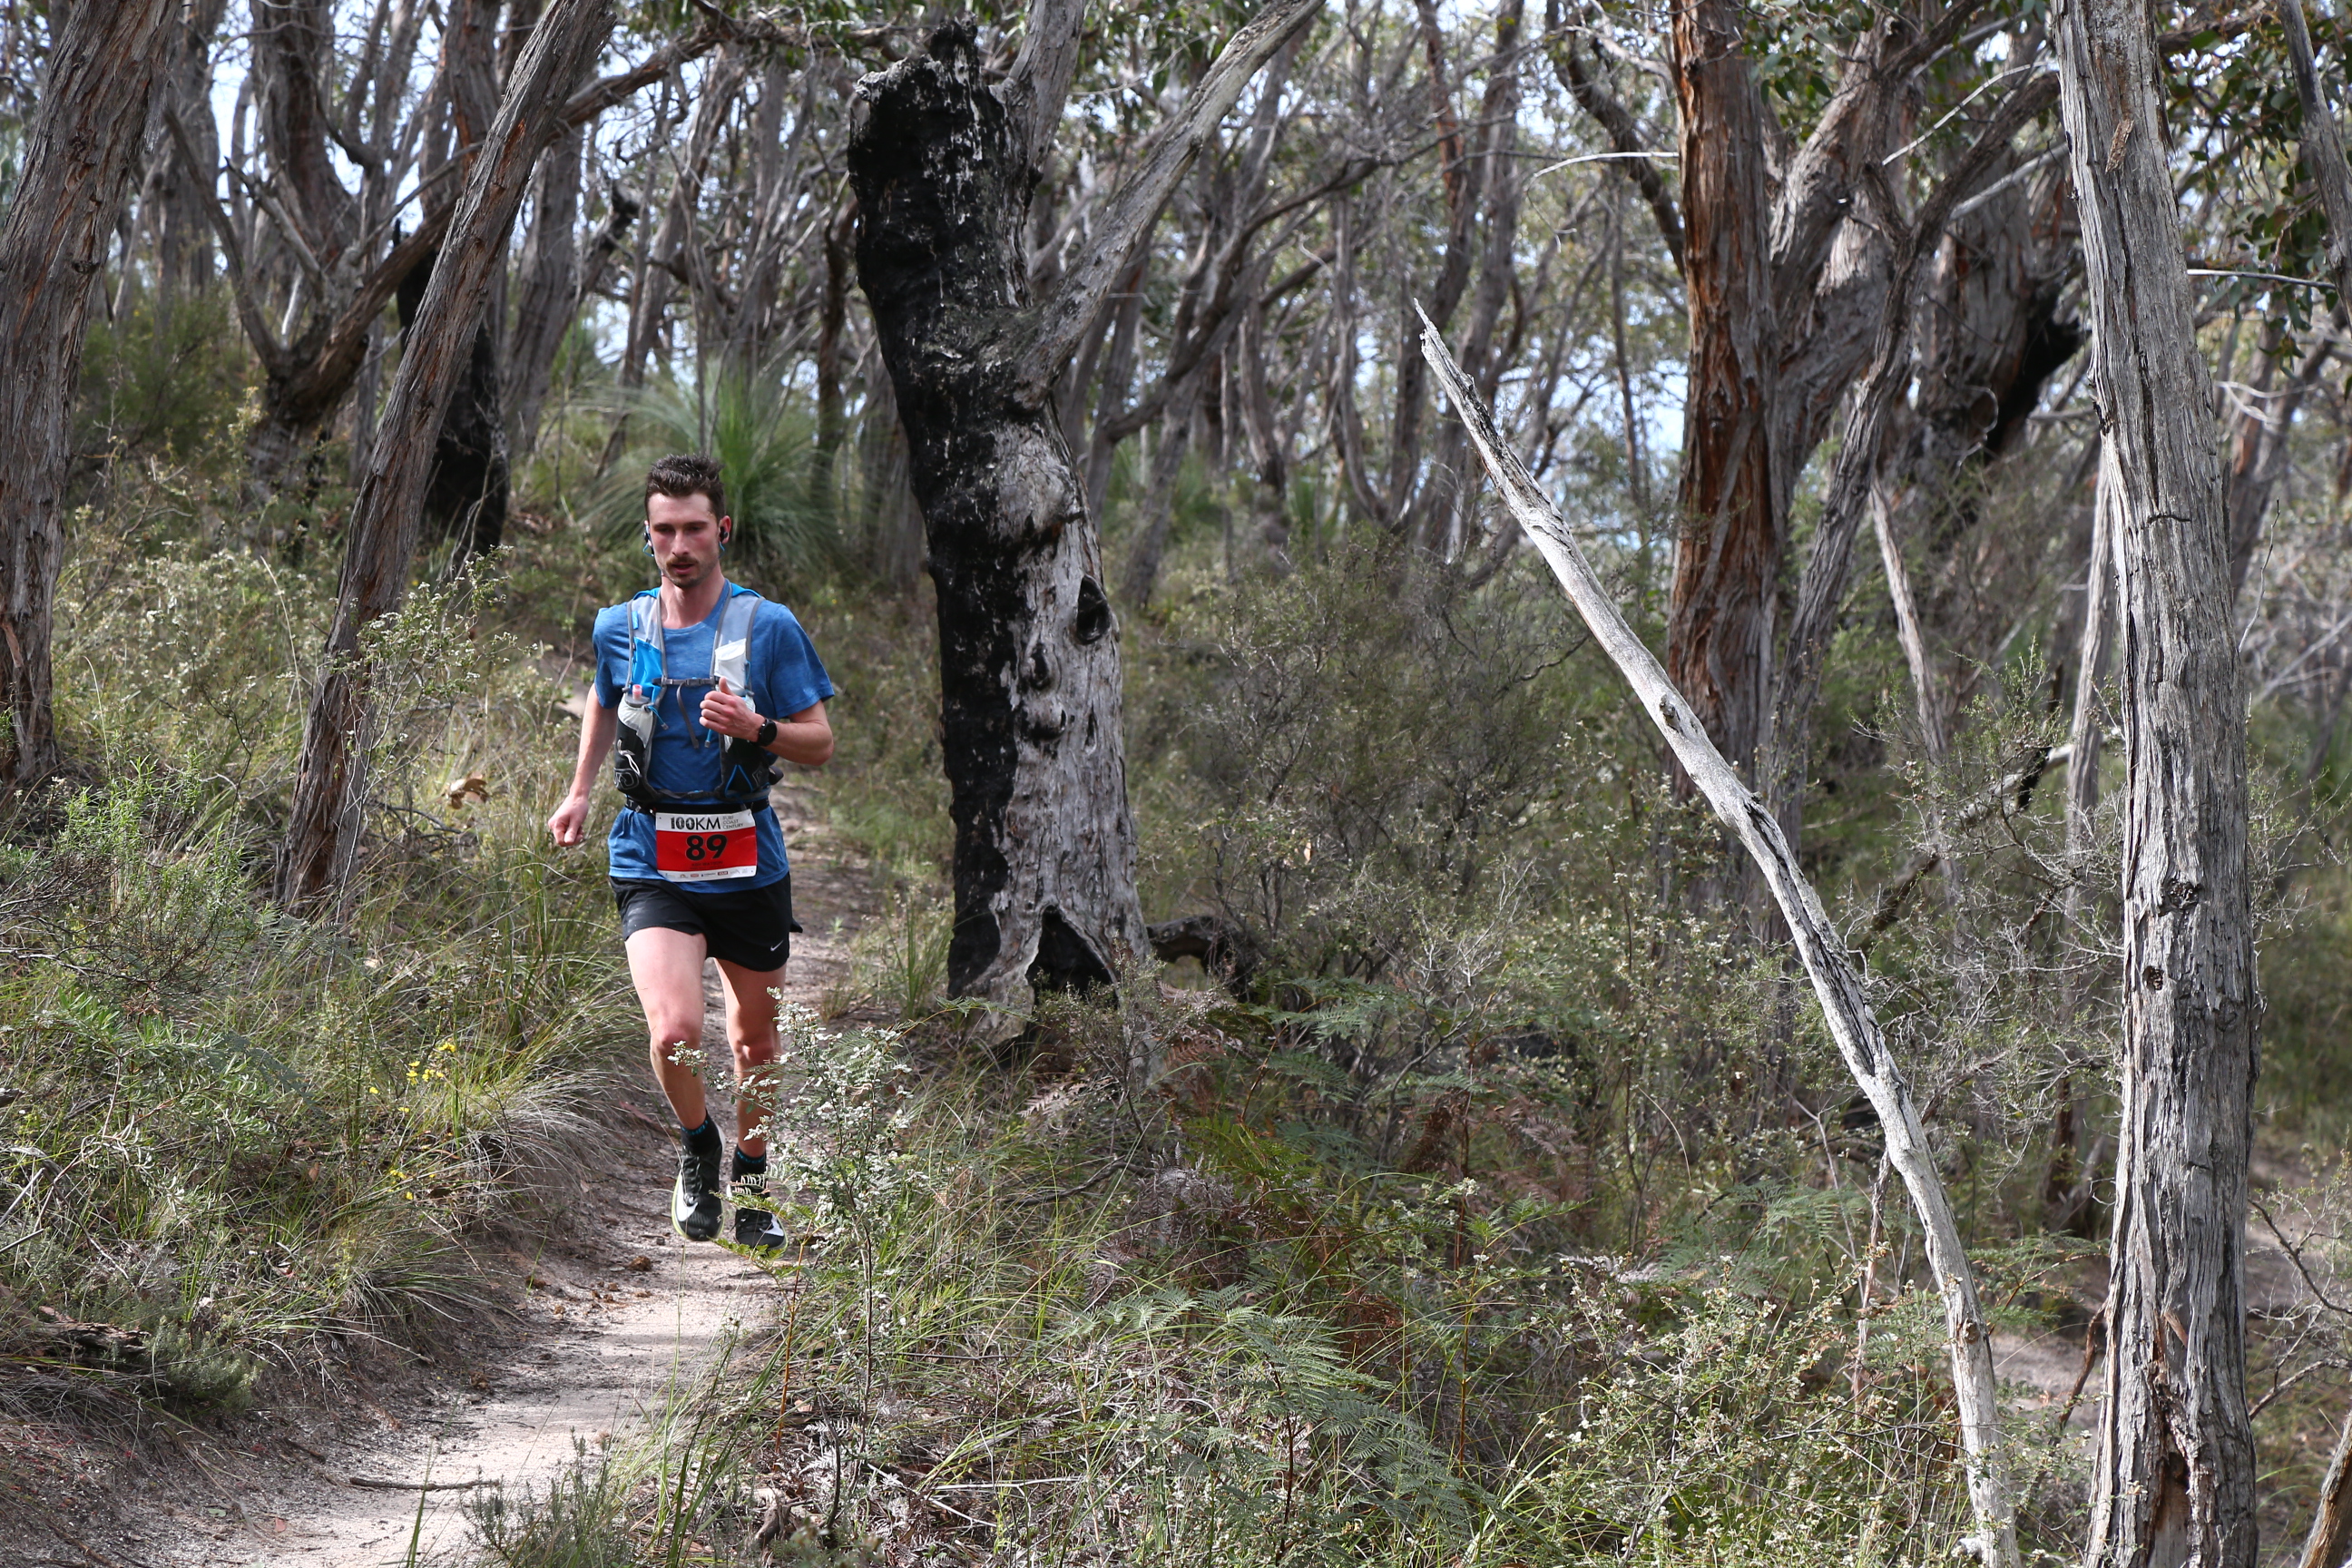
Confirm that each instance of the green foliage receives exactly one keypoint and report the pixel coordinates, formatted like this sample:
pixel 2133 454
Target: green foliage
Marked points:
pixel 578 1521
pixel 1369 757
pixel 164 385
pixel 239 1141
pixel 884 791
pixel 1730 1441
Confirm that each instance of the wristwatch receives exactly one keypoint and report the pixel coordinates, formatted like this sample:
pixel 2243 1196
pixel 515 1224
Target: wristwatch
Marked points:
pixel 767 733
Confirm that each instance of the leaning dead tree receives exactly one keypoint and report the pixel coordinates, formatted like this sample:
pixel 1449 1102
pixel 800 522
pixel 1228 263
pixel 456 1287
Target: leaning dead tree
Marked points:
pixel 943 167
pixel 2175 1474
pixel 78 158
pixel 330 792
pixel 1819 945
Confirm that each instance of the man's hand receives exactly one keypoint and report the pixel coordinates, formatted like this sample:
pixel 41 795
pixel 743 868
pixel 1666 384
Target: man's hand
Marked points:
pixel 570 823
pixel 725 713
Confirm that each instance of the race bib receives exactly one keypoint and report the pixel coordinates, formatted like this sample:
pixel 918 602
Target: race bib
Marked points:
pixel 710 846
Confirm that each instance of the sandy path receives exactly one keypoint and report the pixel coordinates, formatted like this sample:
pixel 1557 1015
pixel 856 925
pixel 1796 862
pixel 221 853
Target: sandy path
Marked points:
pixel 611 1344
pixel 617 1314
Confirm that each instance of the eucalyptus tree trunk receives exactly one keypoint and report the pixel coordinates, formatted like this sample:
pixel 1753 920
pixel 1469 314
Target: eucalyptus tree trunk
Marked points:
pixel 1728 556
pixel 832 327
pixel 322 840
pixel 942 165
pixel 2175 1474
pixel 471 480
pixel 1857 484
pixel 184 246
pixel 78 157
pixel 550 297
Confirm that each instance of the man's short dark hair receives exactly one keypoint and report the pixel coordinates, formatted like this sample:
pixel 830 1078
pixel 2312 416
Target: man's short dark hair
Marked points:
pixel 688 474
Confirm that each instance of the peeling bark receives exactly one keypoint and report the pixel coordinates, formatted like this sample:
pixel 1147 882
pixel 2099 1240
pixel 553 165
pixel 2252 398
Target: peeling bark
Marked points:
pixel 1720 626
pixel 2175 1474
pixel 322 839
pixel 78 156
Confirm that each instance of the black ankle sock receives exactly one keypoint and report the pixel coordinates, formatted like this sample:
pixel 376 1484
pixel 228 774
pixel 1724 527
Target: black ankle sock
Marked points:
pixel 749 1165
pixel 703 1139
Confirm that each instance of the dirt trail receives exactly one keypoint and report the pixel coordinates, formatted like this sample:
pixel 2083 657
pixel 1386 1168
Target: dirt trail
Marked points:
pixel 617 1314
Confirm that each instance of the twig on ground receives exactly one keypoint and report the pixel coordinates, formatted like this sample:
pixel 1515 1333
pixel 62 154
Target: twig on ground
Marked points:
pixel 376 1483
pixel 75 1541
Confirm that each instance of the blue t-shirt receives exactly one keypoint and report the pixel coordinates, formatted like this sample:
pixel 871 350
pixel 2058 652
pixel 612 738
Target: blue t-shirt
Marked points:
pixel 786 678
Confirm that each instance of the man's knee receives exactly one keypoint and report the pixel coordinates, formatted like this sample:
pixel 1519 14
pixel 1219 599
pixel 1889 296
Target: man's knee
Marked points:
pixel 668 1033
pixel 752 1043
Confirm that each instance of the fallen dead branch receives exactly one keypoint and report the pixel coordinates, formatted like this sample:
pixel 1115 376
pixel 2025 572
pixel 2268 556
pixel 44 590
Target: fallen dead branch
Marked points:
pixel 1835 978
pixel 378 1484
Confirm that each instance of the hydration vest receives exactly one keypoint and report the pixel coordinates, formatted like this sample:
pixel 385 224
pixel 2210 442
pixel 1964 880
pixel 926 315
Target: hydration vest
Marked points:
pixel 745 770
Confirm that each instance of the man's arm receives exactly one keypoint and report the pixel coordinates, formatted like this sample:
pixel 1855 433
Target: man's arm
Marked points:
pixel 806 738
pixel 596 727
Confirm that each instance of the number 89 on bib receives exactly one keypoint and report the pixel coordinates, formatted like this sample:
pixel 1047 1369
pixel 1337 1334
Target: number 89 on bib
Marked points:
pixel 710 846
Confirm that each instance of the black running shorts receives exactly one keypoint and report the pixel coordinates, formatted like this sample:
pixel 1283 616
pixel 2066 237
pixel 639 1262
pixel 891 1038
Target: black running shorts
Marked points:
pixel 752 929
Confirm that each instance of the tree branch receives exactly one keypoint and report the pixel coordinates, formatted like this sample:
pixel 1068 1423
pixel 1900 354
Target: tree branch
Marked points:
pixel 351 323
pixel 249 312
pixel 285 221
pixel 717 28
pixel 1624 136
pixel 1063 323
pixel 1821 590
pixel 1042 71
pixel 2322 147
pixel 1845 1007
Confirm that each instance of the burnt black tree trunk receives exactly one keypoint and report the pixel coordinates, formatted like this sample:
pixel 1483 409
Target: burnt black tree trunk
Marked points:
pixel 322 839
pixel 466 496
pixel 943 167
pixel 77 159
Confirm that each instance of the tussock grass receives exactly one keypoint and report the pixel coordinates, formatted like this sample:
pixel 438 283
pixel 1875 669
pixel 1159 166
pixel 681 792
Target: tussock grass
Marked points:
pixel 239 1143
pixel 1041 1320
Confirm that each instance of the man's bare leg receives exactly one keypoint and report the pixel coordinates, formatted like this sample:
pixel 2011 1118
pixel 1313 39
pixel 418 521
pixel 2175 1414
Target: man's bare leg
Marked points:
pixel 665 967
pixel 751 1034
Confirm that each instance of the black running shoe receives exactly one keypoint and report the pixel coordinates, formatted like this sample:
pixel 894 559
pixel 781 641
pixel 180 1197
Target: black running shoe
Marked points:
pixel 694 1203
pixel 756 1228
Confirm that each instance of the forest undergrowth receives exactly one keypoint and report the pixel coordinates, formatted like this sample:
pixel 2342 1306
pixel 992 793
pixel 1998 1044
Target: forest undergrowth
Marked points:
pixel 1507 1205
pixel 1507 1210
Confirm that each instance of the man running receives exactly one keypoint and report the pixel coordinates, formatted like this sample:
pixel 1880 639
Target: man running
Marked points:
pixel 705 684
